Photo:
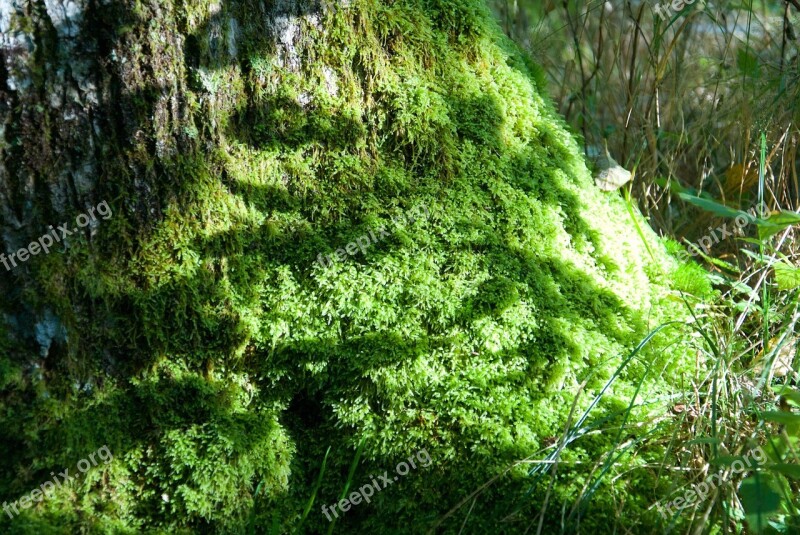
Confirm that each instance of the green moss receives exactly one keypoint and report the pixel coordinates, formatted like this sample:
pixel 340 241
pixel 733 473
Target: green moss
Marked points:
pixel 221 354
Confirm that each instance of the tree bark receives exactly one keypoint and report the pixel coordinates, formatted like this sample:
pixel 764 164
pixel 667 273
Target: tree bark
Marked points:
pixel 100 100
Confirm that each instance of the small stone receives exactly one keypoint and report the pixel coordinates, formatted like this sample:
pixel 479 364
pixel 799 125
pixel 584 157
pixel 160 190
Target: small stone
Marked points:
pixel 609 175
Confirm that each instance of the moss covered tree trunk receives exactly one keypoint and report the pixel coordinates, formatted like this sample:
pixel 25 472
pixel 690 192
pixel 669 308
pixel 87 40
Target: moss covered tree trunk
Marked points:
pixel 328 222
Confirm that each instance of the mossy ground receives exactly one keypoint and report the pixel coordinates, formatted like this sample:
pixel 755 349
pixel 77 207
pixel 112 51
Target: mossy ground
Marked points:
pixel 210 351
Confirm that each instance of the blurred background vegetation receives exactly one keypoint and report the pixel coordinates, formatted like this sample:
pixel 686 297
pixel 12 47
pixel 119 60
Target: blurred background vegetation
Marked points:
pixel 681 100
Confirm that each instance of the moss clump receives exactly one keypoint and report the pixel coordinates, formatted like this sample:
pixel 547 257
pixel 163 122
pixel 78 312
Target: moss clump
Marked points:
pixel 210 350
